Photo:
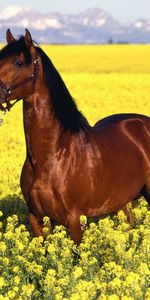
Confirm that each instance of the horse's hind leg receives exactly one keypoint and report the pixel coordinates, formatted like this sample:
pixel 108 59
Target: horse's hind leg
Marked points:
pixel 146 192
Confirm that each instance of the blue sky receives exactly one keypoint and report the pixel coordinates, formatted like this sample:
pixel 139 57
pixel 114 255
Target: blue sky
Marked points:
pixel 123 10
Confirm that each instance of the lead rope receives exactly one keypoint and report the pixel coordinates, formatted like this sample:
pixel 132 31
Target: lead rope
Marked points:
pixel 3 110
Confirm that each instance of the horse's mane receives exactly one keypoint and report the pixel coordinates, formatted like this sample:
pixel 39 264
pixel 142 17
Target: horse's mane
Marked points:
pixel 64 106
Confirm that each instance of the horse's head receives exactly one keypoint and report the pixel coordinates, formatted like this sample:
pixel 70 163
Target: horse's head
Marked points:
pixel 18 68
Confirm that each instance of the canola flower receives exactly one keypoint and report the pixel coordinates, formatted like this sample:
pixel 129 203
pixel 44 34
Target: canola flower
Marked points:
pixel 110 263
pixel 113 260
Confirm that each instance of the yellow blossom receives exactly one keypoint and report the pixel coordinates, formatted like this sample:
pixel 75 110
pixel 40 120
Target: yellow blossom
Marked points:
pixel 2 246
pixel 113 297
pixel 6 261
pixel 27 290
pixel 2 282
pixel 16 269
pixel 77 272
pixel 17 280
pixel 11 294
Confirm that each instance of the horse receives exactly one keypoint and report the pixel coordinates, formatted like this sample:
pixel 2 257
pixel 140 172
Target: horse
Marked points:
pixel 71 168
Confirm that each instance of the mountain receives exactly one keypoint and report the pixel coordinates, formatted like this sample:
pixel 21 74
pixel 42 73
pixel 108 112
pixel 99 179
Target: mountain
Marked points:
pixel 93 26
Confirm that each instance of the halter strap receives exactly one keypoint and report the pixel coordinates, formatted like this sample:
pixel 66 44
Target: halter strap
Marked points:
pixel 7 90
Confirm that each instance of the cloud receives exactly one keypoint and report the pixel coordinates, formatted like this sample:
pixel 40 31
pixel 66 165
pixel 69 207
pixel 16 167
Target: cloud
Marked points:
pixel 11 11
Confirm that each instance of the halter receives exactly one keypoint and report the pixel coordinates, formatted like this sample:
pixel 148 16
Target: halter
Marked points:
pixel 7 90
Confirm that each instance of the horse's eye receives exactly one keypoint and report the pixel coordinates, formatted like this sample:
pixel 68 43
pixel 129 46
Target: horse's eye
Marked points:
pixel 19 64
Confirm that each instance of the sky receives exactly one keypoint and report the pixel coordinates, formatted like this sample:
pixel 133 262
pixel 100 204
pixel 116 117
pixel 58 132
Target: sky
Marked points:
pixel 124 10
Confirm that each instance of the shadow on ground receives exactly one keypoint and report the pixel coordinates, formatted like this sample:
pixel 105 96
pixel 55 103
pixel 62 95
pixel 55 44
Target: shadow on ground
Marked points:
pixel 14 205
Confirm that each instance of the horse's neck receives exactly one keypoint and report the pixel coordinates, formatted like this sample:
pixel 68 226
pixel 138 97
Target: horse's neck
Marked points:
pixel 42 129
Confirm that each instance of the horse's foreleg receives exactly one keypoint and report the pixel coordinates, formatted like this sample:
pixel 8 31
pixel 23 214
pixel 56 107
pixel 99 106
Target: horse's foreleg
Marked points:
pixel 36 225
pixel 75 227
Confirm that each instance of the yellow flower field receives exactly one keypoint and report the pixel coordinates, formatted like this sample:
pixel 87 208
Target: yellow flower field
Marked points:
pixel 112 262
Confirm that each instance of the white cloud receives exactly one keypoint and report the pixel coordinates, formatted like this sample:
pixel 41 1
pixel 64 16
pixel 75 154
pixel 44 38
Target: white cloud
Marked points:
pixel 138 24
pixel 25 23
pixel 43 24
pixel 11 11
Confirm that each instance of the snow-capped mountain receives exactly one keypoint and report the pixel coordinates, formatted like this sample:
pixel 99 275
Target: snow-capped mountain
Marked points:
pixel 91 26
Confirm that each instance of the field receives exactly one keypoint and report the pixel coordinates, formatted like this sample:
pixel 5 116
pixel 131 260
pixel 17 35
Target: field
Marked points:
pixel 113 260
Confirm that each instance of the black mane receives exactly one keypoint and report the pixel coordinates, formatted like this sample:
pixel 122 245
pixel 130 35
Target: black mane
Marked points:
pixel 64 106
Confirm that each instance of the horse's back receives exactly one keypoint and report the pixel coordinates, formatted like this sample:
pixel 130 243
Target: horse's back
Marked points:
pixel 126 131
pixel 119 118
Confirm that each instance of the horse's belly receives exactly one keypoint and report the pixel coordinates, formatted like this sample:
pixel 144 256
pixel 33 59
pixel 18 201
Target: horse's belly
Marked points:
pixel 116 190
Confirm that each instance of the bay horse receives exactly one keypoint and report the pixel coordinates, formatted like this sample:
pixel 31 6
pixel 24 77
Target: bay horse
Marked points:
pixel 71 169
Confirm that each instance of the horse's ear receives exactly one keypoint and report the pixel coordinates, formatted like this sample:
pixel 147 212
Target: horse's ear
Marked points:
pixel 9 37
pixel 28 38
